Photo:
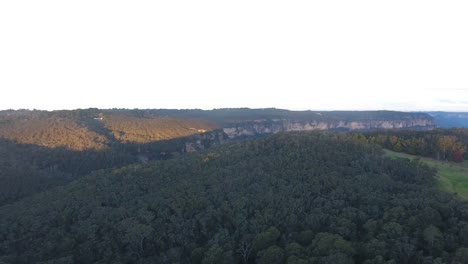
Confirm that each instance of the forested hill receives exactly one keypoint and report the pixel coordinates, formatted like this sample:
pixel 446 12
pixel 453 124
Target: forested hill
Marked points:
pixel 298 197
pixel 40 149
pixel 95 129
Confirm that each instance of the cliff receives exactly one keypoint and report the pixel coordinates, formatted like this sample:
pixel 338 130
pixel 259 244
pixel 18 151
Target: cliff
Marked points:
pixel 245 122
pixel 205 140
pixel 261 127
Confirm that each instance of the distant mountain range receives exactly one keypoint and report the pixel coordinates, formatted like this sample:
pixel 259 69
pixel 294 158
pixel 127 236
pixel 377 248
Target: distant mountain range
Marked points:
pixel 450 119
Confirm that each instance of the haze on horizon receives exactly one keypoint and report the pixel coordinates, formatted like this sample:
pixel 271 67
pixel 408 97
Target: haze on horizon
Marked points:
pixel 321 55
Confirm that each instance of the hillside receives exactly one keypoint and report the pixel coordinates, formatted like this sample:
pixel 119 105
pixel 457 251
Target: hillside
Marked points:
pixel 289 198
pixel 94 129
pixel 129 129
pixel 51 132
pixel 40 149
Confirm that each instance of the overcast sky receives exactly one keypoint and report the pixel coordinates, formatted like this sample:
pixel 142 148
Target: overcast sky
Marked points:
pixel 323 55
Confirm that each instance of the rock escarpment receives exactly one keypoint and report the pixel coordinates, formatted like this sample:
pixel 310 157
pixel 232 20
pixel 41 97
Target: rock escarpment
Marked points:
pixel 261 127
pixel 205 140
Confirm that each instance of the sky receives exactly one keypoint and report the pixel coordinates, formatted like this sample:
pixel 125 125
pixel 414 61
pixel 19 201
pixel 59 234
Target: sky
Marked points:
pixel 318 55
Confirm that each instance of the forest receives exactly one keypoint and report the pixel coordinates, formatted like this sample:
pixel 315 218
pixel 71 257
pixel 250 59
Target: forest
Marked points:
pixel 122 186
pixel 440 144
pixel 43 149
pixel 26 169
pixel 94 129
pixel 40 149
pixel 297 197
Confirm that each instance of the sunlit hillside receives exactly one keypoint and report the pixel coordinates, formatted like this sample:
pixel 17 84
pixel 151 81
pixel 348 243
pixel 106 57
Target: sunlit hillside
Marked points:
pixel 51 132
pixel 132 129
pixel 94 129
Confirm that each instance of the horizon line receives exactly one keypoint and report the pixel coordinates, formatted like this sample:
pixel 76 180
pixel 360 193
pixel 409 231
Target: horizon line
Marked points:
pixel 250 108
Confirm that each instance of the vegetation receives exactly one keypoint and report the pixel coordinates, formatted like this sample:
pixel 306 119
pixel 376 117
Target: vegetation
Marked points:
pixel 40 149
pixel 51 132
pixel 440 144
pixel 444 149
pixel 241 115
pixel 452 177
pixel 144 130
pixel 26 169
pixel 94 129
pixel 289 198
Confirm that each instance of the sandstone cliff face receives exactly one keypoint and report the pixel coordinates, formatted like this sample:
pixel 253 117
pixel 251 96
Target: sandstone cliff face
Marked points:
pixel 260 127
pixel 205 140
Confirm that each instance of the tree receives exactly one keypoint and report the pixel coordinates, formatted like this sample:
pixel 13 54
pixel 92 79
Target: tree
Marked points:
pixel 295 249
pixel 326 244
pixel 214 255
pixel 272 255
pixel 457 156
pixel 266 239
pixel 431 234
pixel 244 250
pixel 461 256
pixel 446 143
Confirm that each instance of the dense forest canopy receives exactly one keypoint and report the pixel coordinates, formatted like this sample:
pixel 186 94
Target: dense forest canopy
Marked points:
pixel 51 132
pixel 440 144
pixel 26 169
pixel 288 198
pixel 94 128
pixel 129 129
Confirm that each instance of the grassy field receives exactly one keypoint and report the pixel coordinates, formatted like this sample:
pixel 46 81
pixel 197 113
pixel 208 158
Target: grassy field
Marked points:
pixel 452 177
